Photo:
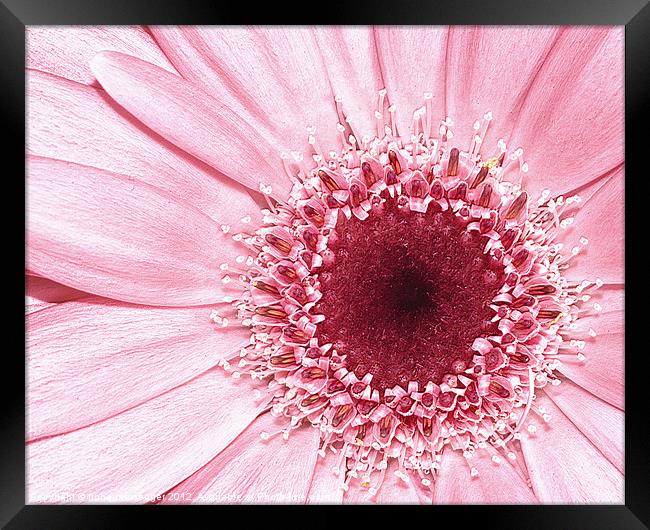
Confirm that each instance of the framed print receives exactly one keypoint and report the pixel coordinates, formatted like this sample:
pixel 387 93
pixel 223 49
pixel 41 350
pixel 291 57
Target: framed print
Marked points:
pixel 328 263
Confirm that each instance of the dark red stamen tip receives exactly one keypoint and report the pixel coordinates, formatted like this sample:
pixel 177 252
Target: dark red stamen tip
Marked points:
pixel 452 168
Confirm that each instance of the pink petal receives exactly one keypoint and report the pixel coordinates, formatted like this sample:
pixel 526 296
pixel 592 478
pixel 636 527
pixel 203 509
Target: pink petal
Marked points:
pixel 353 69
pixel 600 422
pixel 275 73
pixel 413 63
pixel 496 483
pixel 92 359
pixel 252 470
pixel 192 120
pixel 357 494
pixel 601 373
pixel 66 51
pixel 564 466
pixel 490 68
pixel 571 124
pixel 114 236
pixel 41 293
pixel 143 452
pixel 73 122
pixel 325 487
pixel 393 489
pixel 31 308
pixel 602 221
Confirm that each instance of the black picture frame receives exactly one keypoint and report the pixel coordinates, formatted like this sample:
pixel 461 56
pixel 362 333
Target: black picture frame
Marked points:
pixel 15 15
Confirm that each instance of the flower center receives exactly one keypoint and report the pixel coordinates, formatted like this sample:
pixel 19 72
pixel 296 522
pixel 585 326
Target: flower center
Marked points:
pixel 406 294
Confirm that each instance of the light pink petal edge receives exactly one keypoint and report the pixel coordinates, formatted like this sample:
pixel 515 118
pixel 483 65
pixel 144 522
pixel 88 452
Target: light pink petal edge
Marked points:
pixel 564 466
pixel 92 359
pixel 600 422
pixel 193 120
pixel 275 74
pixel 602 370
pixel 351 60
pixel 78 123
pixel 114 236
pixel 601 220
pixel 326 485
pixel 413 62
pixel 491 69
pixel 66 51
pixel 497 481
pixel 252 470
pixel 571 123
pixel 41 293
pixel 134 456
pixel 393 490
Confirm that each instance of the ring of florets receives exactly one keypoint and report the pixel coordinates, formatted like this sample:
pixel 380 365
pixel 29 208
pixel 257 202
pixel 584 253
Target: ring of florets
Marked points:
pixel 484 401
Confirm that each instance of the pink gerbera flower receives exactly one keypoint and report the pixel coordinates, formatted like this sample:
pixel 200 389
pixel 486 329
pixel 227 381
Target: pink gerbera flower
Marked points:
pixel 325 265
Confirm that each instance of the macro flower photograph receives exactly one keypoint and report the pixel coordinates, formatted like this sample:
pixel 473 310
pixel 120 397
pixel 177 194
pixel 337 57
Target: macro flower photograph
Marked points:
pixel 324 265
